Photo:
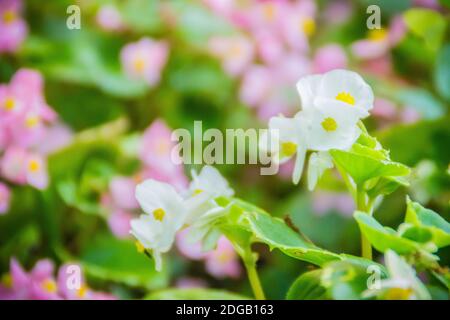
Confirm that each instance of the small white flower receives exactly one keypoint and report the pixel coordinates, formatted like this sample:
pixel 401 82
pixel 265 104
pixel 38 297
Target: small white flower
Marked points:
pixel 344 89
pixel 166 213
pixel 318 163
pixel 205 187
pixel 402 283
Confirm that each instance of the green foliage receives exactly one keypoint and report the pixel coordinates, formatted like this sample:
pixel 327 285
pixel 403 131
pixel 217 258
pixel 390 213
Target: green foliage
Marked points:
pixel 194 294
pixel 427 24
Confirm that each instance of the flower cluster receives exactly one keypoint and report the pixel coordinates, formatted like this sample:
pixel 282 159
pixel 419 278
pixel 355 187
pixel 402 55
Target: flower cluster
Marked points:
pixel 155 156
pixel 271 50
pixel 13 29
pixel 332 105
pixel 41 284
pixel 168 211
pixel 26 121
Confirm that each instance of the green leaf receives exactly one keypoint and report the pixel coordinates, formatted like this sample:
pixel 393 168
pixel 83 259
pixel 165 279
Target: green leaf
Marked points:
pixel 363 167
pixel 109 258
pixel 427 24
pixel 194 294
pixel 423 217
pixel 382 238
pixel 442 72
pixel 276 234
pixel 307 287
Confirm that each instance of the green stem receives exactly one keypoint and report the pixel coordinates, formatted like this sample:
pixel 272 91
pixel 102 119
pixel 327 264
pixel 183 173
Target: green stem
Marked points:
pixel 253 277
pixel 366 248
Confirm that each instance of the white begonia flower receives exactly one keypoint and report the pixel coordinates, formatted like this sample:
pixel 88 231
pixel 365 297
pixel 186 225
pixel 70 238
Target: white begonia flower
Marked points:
pixel 402 283
pixel 205 187
pixel 318 163
pixel 165 214
pixel 344 88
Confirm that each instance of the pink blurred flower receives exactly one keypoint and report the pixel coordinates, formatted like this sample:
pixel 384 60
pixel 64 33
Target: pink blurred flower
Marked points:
pixel 5 197
pixel 410 115
pixel 379 41
pixel 266 15
pixel 109 18
pixel 119 223
pixel 56 137
pixel 38 284
pixel 329 57
pixel 13 29
pixel 189 283
pixel 255 84
pixel 384 109
pixel 145 59
pixel 22 167
pixel 122 192
pixel 156 151
pixel 269 46
pixel 223 261
pixel 324 202
pixel 338 11
pixel 235 53
pixel 190 250
pixel 80 292
pixel 221 7
pixel 299 24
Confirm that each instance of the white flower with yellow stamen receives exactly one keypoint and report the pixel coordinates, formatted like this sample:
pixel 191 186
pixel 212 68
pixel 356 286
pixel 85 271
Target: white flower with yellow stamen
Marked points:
pixel 340 88
pixel 203 213
pixel 165 215
pixel 402 283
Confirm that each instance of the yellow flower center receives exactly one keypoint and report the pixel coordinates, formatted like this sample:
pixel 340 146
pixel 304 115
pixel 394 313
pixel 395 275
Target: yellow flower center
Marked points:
pixel 269 11
pixel 9 104
pixel 398 294
pixel 197 191
pixel 31 121
pixel 377 34
pixel 346 97
pixel 329 124
pixel 235 51
pixel 7 280
pixel 139 247
pixel 308 26
pixel 162 147
pixel 159 214
pixel 288 148
pixel 139 65
pixel 33 165
pixel 49 286
pixel 81 293
pixel 9 16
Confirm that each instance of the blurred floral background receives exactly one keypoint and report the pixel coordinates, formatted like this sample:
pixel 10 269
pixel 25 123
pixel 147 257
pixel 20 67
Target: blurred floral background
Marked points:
pixel 86 114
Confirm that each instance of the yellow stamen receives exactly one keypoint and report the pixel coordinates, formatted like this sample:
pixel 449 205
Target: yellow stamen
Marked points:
pixel 139 65
pixel 197 191
pixel 33 165
pixel 31 121
pixel 139 247
pixel 309 26
pixel 398 294
pixel 81 293
pixel 49 286
pixel 7 280
pixel 346 97
pixel 329 124
pixel 377 34
pixel 235 51
pixel 9 16
pixel 9 104
pixel 159 214
pixel 163 147
pixel 288 148
pixel 269 11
